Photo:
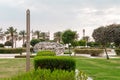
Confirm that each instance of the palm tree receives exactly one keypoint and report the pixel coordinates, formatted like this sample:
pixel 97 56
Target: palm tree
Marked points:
pixel 58 36
pixel 1 34
pixel 43 35
pixel 23 33
pixel 37 33
pixel 12 32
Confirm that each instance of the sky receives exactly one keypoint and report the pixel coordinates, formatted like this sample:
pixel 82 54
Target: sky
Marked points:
pixel 59 15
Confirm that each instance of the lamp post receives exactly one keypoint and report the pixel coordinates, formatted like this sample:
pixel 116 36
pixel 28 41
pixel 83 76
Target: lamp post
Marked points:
pixel 28 40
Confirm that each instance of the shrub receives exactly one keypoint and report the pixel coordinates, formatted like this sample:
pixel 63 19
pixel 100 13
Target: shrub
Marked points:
pixel 24 56
pixel 8 43
pixel 67 52
pixel 12 50
pixel 34 41
pixel 46 53
pixel 56 62
pixel 92 52
pixel 1 45
pixel 45 74
pixel 117 51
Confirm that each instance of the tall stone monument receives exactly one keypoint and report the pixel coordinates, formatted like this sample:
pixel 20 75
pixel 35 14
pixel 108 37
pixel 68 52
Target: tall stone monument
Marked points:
pixel 28 40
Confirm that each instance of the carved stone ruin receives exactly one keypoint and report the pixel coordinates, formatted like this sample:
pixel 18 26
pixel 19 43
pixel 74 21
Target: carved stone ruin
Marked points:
pixel 56 47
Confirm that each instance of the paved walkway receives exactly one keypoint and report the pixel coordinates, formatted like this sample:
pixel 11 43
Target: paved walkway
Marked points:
pixel 111 54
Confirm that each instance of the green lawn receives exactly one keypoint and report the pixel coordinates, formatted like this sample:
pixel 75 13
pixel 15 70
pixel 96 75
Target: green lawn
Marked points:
pixel 11 67
pixel 98 69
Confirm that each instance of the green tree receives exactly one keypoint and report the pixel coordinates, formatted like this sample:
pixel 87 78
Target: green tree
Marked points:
pixel 113 32
pixel 68 36
pixel 82 43
pixel 23 33
pixel 34 41
pixel 100 36
pixel 12 32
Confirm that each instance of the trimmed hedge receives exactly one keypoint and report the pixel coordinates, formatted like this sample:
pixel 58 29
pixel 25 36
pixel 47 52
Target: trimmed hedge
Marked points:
pixel 67 52
pixel 24 56
pixel 117 51
pixel 45 74
pixel 56 62
pixel 12 50
pixel 46 53
pixel 1 45
pixel 92 52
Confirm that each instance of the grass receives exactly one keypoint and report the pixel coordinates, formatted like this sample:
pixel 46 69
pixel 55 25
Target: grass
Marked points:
pixel 11 67
pixel 98 69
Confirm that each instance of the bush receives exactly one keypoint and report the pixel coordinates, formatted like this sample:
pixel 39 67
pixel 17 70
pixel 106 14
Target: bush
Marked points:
pixel 12 50
pixel 46 53
pixel 34 41
pixel 92 52
pixel 45 74
pixel 24 56
pixel 1 45
pixel 56 62
pixel 117 51
pixel 67 52
pixel 8 43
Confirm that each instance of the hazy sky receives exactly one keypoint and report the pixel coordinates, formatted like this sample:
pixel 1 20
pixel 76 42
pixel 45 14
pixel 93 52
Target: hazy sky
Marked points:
pixel 59 15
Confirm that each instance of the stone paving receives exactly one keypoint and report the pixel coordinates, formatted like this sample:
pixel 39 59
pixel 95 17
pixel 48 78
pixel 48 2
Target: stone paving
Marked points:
pixel 111 54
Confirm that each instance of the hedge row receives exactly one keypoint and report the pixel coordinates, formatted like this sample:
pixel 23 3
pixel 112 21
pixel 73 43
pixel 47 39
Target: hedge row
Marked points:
pixel 24 56
pixel 45 74
pixel 117 51
pixel 12 50
pixel 46 53
pixel 54 62
pixel 92 52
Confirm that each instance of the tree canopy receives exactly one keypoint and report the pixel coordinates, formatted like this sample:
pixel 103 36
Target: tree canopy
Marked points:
pixel 68 36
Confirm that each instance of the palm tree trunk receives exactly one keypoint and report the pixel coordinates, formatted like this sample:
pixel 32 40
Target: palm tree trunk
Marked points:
pixel 12 41
pixel 23 40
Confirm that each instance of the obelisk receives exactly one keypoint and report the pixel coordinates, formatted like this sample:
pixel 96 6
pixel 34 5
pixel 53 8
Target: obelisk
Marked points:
pixel 28 40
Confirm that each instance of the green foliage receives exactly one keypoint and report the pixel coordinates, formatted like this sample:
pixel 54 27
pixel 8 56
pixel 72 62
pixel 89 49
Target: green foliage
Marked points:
pixel 56 62
pixel 34 41
pixel 81 76
pixel 46 53
pixel 93 44
pixel 117 51
pixel 113 32
pixel 100 35
pixel 8 43
pixel 67 52
pixel 12 50
pixel 107 34
pixel 1 45
pixel 24 56
pixel 11 31
pixel 92 52
pixel 58 36
pixel 45 74
pixel 82 43
pixel 74 43
pixel 68 36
